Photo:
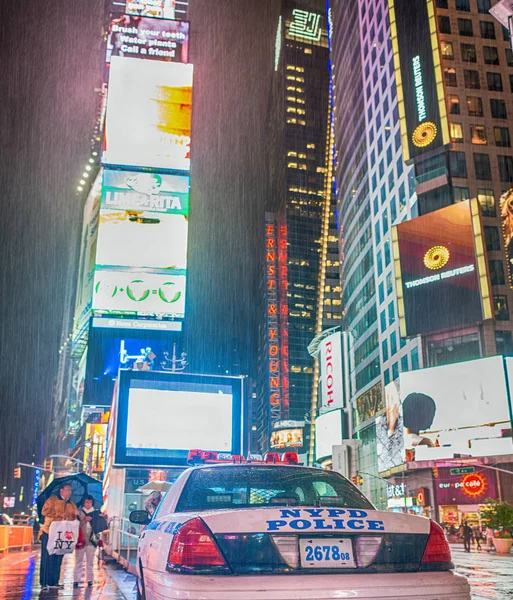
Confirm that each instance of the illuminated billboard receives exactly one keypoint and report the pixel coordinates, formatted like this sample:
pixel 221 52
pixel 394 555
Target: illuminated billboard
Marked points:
pixel 506 208
pixel 328 433
pixel 332 388
pixel 441 271
pixel 162 9
pixel 460 409
pixel 420 90
pixel 153 39
pixel 287 438
pixel 149 108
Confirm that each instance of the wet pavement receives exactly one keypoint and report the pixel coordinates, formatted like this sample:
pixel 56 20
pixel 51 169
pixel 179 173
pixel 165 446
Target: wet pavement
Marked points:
pixel 490 575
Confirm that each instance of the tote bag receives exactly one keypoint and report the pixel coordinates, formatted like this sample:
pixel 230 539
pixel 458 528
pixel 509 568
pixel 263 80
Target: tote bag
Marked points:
pixel 62 537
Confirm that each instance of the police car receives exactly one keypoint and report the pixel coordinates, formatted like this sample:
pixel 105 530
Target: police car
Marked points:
pixel 271 529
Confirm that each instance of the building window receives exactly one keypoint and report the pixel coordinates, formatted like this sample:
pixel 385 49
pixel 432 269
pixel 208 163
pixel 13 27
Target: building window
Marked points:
pixel 395 371
pixel 441 4
pixel 414 359
pixel 393 343
pixel 482 166
pixel 471 79
pixel 509 57
pixel 450 77
pixel 504 342
pixel 502 137
pixel 492 239
pixel 447 50
pixel 461 194
pixel 457 164
pixel 487 202
pixel 505 168
pixel 383 321
pixel 496 272
pixel 487 30
pixel 501 308
pixel 386 376
pixel 498 108
pixel 454 105
pixel 494 82
pixel 444 25
pixel 384 349
pixel 465 27
pixel 381 292
pixel 456 131
pixel 404 363
pixel 391 313
pixel 475 106
pixel 478 134
pixel 483 6
pixel 463 5
pixel 468 53
pixel 491 55
pixel 511 83
pixel 505 34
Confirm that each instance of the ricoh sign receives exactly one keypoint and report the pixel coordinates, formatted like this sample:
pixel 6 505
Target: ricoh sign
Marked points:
pixel 332 391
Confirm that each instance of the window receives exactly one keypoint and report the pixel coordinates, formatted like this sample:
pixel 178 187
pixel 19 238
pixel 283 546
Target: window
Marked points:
pixel 509 57
pixel 492 239
pixel 454 105
pixel 381 292
pixel 496 272
pixel 384 350
pixel 465 27
pixel 463 5
pixel 386 377
pixel 383 321
pixel 482 166
pixel 393 343
pixel 502 137
pixel 450 77
pixel 441 4
pixel 391 313
pixel 444 25
pixel 456 131
pixel 478 134
pixel 487 30
pixel 471 79
pixel 505 167
pixel 487 202
pixel 483 6
pixel 475 106
pixel 504 342
pixel 460 194
pixel 404 363
pixel 447 50
pixel 494 82
pixel 491 55
pixel 457 164
pixel 468 53
pixel 511 83
pixel 498 108
pixel 395 371
pixel 501 308
pixel 414 359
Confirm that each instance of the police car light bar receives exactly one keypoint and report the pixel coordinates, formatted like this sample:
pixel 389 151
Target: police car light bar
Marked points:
pixel 201 457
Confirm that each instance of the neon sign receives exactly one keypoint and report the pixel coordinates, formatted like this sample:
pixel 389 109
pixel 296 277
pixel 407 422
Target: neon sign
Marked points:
pixel 306 25
pixel 419 88
pixel 440 276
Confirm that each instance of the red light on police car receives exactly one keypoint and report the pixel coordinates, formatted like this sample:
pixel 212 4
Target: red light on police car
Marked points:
pixel 272 457
pixel 208 455
pixel 194 456
pixel 290 458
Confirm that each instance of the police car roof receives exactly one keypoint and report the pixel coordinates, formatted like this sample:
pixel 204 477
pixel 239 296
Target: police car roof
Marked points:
pixel 254 465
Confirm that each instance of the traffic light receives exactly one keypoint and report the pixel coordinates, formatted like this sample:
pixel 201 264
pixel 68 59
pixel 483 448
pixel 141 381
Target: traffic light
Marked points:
pixel 48 465
pixel 354 479
pixel 360 480
pixel 435 472
pixel 17 473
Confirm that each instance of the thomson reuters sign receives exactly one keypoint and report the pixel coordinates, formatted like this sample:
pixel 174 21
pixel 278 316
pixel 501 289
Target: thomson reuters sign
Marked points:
pixel 332 388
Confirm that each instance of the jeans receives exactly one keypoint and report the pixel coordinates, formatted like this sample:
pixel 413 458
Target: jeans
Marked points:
pixel 50 569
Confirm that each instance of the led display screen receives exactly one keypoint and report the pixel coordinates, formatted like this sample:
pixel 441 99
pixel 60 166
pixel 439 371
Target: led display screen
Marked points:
pixel 328 433
pixel 439 279
pixel 164 415
pixel 506 207
pixel 153 39
pixel 149 108
pixel 418 77
pixel 287 438
pixel 162 9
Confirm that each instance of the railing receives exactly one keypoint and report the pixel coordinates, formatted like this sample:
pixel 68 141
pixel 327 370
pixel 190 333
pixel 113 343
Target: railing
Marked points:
pixel 15 536
pixel 121 540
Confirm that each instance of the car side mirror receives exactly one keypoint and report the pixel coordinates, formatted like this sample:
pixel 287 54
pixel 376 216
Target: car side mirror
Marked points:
pixel 140 517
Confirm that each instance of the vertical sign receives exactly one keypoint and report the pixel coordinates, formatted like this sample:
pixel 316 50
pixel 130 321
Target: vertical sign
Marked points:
pixel 284 331
pixel 332 390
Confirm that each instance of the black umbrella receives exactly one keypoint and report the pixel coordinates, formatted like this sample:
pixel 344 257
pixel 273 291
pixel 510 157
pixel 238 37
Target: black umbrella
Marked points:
pixel 81 485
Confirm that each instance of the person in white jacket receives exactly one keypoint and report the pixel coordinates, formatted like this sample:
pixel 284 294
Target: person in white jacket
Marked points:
pixel 85 548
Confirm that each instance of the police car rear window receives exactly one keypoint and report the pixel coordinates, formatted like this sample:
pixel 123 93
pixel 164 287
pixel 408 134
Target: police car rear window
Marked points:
pixel 260 486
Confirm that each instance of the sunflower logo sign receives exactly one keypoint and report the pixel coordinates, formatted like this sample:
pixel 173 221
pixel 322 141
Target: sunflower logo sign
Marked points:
pixel 436 257
pixel 474 484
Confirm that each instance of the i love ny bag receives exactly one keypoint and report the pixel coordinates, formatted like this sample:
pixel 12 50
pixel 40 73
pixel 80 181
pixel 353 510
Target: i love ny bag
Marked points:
pixel 62 537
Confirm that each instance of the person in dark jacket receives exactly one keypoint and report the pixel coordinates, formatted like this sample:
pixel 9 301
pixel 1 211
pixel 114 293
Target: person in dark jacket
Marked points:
pixel 467 536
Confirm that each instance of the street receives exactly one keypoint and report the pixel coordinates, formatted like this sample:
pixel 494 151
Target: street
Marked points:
pixel 490 576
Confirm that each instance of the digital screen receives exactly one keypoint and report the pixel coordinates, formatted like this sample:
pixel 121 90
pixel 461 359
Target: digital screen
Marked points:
pixel 328 433
pixel 438 412
pixel 506 208
pixel 419 78
pixel 474 487
pixel 149 109
pixel 162 9
pixel 287 438
pixel 154 39
pixel 439 272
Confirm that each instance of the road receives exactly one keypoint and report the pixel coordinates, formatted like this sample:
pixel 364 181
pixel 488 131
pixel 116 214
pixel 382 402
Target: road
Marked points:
pixel 491 576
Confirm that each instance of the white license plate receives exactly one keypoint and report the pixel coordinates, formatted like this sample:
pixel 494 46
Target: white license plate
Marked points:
pixel 326 553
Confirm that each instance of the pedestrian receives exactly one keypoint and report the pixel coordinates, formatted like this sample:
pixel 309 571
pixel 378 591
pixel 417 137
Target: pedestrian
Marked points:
pixel 36 526
pixel 489 539
pixel 152 502
pixel 478 536
pixel 467 536
pixel 85 549
pixel 56 508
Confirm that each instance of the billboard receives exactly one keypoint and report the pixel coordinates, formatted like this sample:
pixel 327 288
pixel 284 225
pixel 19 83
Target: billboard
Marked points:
pixel 154 39
pixel 332 387
pixel 440 269
pixel 161 416
pixel 437 413
pixel 161 9
pixel 328 433
pixel 287 438
pixel 149 108
pixel 474 487
pixel 506 208
pixel 418 73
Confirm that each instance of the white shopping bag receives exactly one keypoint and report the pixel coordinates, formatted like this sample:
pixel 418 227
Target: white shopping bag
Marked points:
pixel 63 537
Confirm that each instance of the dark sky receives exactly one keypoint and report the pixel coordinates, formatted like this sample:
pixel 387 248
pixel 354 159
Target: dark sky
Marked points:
pixel 50 69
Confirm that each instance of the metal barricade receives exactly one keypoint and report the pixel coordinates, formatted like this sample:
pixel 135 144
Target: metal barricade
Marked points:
pixel 15 537
pixel 121 540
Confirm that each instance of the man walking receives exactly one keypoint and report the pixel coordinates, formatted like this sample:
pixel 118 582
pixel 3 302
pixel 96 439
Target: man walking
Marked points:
pixel 467 536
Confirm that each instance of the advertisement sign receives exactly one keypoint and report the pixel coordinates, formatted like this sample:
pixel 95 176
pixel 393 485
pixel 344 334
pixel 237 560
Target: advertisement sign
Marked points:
pixel 420 90
pixel 506 208
pixel 369 404
pixel 154 39
pixel 389 431
pixel 149 110
pixel 328 433
pixel 332 387
pixel 287 438
pixel 9 501
pixel 441 280
pixel 162 9
pixel 470 488
pixel 95 446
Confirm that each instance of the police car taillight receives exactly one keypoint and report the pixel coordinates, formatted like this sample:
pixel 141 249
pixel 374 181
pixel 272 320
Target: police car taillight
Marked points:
pixel 290 458
pixel 194 549
pixel 437 548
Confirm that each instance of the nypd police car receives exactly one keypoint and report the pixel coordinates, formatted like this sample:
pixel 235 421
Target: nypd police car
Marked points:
pixel 272 529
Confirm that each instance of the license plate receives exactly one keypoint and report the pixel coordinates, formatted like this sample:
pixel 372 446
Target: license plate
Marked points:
pixel 326 553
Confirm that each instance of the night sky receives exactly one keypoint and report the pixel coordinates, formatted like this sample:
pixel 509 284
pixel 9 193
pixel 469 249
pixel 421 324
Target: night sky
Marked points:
pixel 51 59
